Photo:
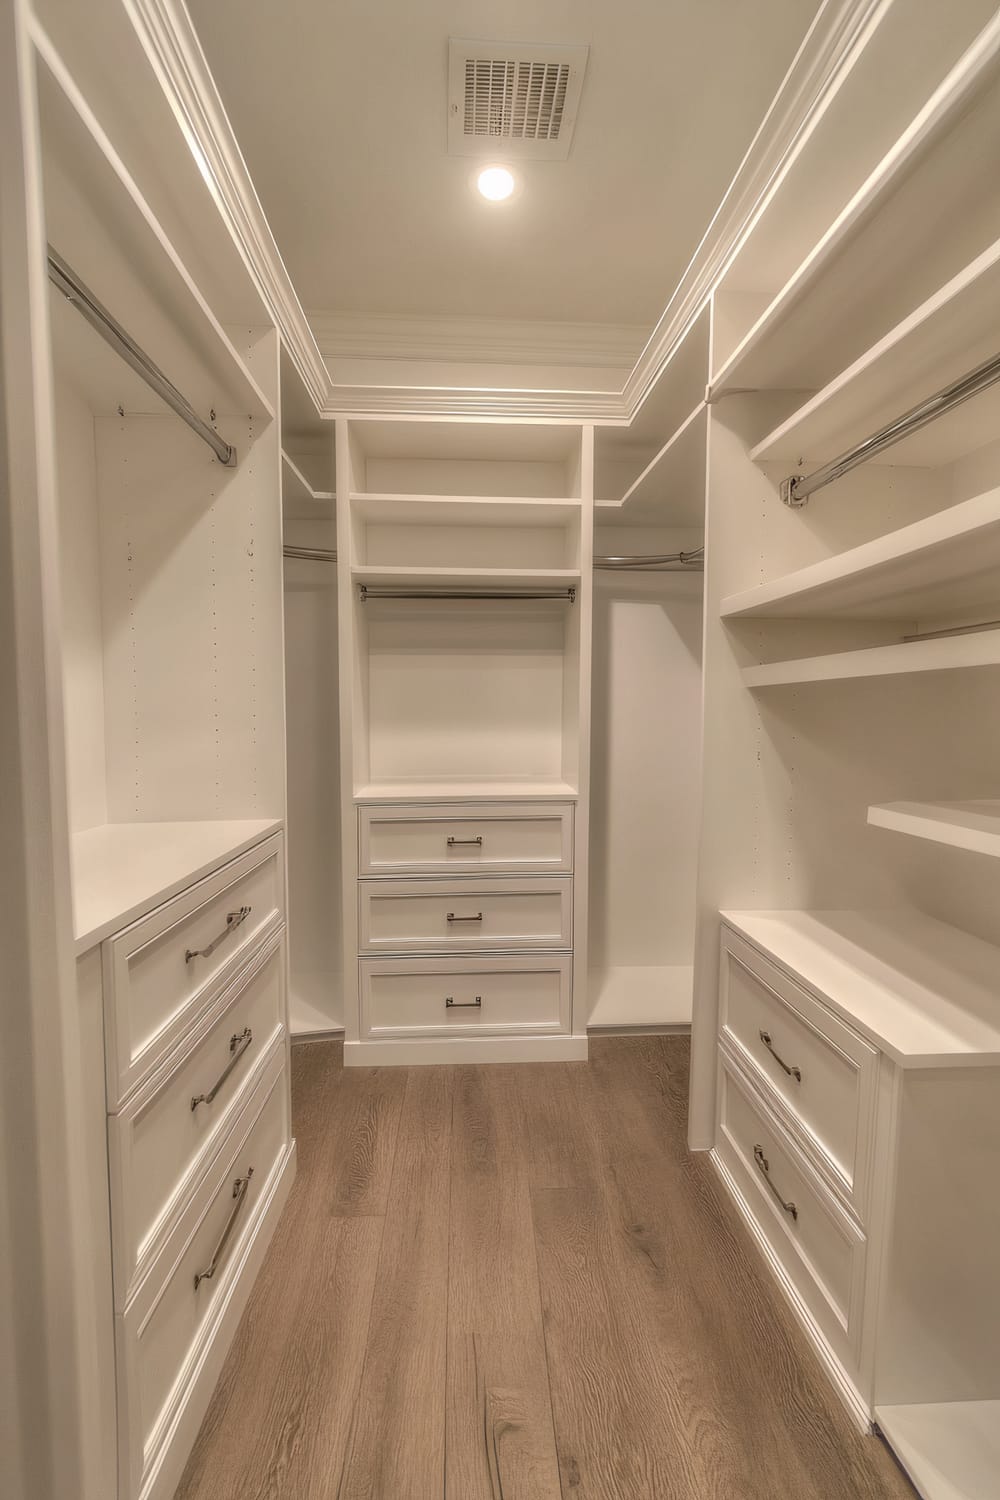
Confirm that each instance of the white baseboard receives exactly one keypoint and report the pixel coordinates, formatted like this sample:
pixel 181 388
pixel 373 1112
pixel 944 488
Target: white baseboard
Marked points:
pixel 473 1049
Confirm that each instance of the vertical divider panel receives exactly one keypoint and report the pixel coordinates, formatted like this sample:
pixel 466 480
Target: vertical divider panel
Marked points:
pixel 350 478
pixel 585 605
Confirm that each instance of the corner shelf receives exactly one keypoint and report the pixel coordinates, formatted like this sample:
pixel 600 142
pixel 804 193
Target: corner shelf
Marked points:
pixel 949 653
pixel 947 561
pixel 296 487
pixel 626 997
pixel 963 825
pixel 950 334
pixel 921 990
pixel 678 470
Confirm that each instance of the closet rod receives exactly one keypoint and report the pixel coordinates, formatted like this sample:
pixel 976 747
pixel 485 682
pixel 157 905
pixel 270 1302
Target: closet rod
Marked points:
pixel 688 562
pixel 377 591
pixel 311 554
pixel 73 289
pixel 796 489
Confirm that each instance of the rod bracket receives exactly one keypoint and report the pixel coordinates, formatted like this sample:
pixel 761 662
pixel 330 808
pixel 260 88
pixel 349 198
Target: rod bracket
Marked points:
pixel 231 460
pixel 788 494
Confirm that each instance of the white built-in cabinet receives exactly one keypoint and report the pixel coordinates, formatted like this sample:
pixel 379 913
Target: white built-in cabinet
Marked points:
pixel 846 1047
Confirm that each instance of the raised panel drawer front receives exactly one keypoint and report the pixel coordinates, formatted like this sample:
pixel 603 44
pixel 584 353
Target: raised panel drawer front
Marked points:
pixel 412 916
pixel 442 997
pixel 441 838
pixel 819 1245
pixel 169 1323
pixel 163 1136
pixel 824 1073
pixel 165 968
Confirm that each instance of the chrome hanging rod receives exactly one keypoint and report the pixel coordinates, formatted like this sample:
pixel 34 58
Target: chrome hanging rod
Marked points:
pixel 796 489
pixel 73 289
pixel 376 591
pixel 664 562
pixel 311 554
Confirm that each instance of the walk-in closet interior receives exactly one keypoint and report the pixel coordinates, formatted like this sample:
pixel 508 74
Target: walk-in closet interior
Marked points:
pixel 501 628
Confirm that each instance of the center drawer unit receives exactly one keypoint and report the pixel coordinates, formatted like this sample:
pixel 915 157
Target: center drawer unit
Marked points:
pixel 464 838
pixel 440 916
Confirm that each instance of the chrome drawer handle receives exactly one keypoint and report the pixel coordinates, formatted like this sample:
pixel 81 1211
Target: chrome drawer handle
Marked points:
pixel 452 1004
pixel 240 1187
pixel 459 843
pixel 233 920
pixel 795 1073
pixel 765 1167
pixel 238 1044
pixel 477 918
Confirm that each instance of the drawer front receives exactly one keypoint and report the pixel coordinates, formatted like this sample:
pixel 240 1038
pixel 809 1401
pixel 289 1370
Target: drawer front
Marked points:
pixel 434 839
pixel 428 997
pixel 817 1242
pixel 168 1325
pixel 410 916
pixel 165 968
pixel 161 1139
pixel 823 1072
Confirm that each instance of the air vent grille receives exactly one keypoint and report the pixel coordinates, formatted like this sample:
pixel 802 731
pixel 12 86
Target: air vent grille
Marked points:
pixel 522 98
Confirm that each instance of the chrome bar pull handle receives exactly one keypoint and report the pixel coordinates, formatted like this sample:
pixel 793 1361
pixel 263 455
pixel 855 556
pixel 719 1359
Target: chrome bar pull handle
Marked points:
pixel 452 1004
pixel 234 919
pixel 795 1073
pixel 477 918
pixel 240 1187
pixel 238 1045
pixel 765 1167
pixel 461 843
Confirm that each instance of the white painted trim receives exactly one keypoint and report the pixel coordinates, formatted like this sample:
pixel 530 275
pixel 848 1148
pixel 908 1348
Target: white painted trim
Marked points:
pixel 839 1378
pixel 488 341
pixel 840 30
pixel 489 1049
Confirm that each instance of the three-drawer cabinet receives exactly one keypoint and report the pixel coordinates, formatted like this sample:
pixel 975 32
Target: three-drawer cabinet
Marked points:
pixel 465 921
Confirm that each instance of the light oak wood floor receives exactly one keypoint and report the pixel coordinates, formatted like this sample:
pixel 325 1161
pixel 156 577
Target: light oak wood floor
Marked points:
pixel 515 1283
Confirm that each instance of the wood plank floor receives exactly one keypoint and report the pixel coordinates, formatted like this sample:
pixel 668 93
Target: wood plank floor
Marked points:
pixel 515 1283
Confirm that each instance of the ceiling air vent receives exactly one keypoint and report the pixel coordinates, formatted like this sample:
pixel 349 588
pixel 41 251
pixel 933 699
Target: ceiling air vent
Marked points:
pixel 520 101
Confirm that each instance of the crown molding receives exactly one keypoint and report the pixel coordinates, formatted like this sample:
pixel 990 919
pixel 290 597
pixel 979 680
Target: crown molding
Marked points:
pixel 487 341
pixel 169 39
pixel 838 34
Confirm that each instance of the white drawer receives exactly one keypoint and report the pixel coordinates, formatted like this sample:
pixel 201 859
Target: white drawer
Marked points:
pixel 824 1073
pixel 167 1329
pixel 436 838
pixel 161 1139
pixel 818 1244
pixel 436 916
pixel 439 997
pixel 159 973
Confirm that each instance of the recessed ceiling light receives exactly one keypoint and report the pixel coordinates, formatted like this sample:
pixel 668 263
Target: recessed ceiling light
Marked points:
pixel 495 183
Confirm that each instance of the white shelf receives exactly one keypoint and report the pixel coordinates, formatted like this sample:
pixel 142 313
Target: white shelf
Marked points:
pixel 315 1004
pixel 480 578
pixel 951 333
pixel 964 825
pixel 950 1449
pixel 463 510
pixel 122 870
pixel 949 653
pixel 946 562
pixel 464 791
pixel 639 997
pixel 670 491
pixel 923 992
pixel 295 485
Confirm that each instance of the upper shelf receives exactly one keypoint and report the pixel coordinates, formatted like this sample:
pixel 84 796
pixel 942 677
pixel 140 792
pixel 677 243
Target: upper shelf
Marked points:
pixel 884 252
pixel 295 485
pixel 670 491
pixel 949 653
pixel 922 991
pixel 475 578
pixel 101 224
pixel 949 335
pixel 963 825
pixel 949 561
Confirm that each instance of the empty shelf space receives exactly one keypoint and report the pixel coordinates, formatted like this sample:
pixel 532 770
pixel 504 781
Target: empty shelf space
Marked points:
pixel 454 789
pixel 641 997
pixel 122 870
pixel 295 485
pixel 670 491
pixel 475 578
pixel 948 561
pixel 963 825
pixel 922 991
pixel 948 335
pixel 950 1449
pixel 947 654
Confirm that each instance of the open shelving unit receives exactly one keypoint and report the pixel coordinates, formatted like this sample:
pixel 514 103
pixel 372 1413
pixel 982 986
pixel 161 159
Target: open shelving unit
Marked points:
pixel 670 491
pixel 946 654
pixel 974 826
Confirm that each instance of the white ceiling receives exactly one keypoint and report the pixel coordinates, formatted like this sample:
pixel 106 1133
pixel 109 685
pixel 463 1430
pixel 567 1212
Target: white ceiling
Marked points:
pixel 340 109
